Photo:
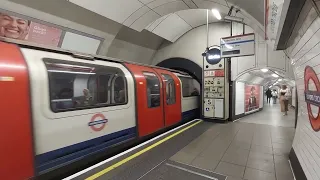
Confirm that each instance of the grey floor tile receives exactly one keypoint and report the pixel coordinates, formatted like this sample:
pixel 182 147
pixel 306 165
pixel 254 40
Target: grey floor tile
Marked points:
pixel 183 157
pixel 280 159
pixel 205 163
pixel 233 178
pixel 261 164
pixel 262 142
pixel 230 169
pixel 261 149
pixel 283 169
pixel 279 140
pixel 215 152
pixel 282 145
pixel 261 156
pixel 284 177
pixel 240 145
pixel 281 151
pixel 254 174
pixel 236 156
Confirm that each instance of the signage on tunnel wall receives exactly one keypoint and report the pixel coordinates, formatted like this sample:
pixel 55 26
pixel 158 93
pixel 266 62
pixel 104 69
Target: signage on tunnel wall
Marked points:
pixel 312 97
pixel 236 46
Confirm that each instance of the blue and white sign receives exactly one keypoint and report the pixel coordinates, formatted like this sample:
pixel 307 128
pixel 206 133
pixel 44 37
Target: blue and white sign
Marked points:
pixel 236 46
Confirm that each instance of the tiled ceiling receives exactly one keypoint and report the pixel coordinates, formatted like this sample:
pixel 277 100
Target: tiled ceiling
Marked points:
pixel 265 79
pixel 170 19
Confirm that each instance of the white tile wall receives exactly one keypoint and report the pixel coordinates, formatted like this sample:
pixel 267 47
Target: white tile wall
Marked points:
pixel 305 52
pixel 239 108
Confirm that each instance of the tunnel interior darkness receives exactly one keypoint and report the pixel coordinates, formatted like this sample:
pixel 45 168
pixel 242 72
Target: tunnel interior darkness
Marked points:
pixel 185 65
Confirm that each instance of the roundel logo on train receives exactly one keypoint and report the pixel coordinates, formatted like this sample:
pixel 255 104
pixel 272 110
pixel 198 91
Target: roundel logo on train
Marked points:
pixel 98 122
pixel 312 97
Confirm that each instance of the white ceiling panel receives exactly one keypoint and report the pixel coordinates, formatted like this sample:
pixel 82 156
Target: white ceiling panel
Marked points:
pixel 196 17
pixel 190 4
pixel 143 21
pixel 157 3
pixel 117 10
pixel 172 27
pixel 211 4
pixel 146 1
pixel 170 7
pixel 136 15
pixel 200 3
pixel 155 23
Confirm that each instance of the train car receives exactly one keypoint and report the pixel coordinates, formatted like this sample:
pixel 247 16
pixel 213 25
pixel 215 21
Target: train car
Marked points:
pixel 60 110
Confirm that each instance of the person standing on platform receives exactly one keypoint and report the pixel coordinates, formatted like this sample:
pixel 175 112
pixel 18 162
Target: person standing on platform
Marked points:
pixel 284 99
pixel 274 96
pixel 269 95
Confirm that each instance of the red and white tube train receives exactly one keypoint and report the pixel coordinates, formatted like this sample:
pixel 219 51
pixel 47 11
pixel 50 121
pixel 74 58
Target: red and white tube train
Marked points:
pixel 58 108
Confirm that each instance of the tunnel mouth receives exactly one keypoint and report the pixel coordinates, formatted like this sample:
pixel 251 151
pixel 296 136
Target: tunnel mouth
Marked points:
pixel 185 65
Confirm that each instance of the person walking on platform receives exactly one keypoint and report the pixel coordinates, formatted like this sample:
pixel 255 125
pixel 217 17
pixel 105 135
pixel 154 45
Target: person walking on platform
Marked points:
pixel 284 99
pixel 269 95
pixel 274 96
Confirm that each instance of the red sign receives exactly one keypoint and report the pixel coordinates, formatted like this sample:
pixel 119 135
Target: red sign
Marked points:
pixel 214 73
pixel 97 122
pixel 312 97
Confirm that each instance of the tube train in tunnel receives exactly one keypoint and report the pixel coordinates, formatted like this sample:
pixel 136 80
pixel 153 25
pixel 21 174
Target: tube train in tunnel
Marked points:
pixel 59 109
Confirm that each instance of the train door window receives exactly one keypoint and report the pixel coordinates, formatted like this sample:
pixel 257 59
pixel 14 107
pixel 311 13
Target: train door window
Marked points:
pixel 188 87
pixel 153 90
pixel 170 89
pixel 119 89
pixel 75 85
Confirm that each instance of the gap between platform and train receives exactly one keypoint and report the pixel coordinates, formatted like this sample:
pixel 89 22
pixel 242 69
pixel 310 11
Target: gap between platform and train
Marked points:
pixel 108 169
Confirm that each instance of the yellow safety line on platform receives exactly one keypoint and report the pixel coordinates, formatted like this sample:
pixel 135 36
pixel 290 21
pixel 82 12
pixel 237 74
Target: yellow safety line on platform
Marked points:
pixel 108 169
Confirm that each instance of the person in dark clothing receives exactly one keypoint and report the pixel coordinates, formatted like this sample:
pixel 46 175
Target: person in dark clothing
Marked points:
pixel 269 95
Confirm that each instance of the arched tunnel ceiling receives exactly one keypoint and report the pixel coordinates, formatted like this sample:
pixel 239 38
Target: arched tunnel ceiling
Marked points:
pixel 265 79
pixel 170 19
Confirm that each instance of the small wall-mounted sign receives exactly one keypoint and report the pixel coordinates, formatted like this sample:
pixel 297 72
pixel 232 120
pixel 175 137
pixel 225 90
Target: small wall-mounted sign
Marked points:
pixel 236 46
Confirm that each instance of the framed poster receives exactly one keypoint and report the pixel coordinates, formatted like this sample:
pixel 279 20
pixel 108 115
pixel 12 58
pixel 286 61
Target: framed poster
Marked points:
pixel 20 28
pixel 252 98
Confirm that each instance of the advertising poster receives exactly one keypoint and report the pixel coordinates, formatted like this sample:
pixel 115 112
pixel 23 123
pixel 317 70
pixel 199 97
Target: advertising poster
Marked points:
pixel 23 29
pixel 252 98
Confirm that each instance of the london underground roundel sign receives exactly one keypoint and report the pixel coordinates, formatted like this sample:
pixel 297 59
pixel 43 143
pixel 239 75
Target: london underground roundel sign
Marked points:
pixel 312 97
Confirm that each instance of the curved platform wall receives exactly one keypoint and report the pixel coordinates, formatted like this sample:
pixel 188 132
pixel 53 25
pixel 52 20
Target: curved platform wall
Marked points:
pixel 192 44
pixel 304 52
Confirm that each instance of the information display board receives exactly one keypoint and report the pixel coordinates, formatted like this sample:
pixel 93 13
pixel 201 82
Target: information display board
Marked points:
pixel 235 46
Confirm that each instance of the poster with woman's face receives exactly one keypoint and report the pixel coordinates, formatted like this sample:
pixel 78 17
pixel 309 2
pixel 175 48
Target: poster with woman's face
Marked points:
pixel 252 97
pixel 22 29
pixel 13 27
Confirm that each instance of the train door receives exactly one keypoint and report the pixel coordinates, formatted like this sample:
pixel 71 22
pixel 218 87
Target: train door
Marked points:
pixel 148 99
pixel 171 97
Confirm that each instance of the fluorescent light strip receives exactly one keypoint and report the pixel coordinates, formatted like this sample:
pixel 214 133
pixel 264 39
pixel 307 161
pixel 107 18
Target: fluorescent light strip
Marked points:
pixel 216 13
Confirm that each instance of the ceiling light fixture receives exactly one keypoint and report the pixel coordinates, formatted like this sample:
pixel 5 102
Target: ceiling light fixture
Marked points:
pixel 275 75
pixel 216 56
pixel 216 13
pixel 264 70
pixel 279 79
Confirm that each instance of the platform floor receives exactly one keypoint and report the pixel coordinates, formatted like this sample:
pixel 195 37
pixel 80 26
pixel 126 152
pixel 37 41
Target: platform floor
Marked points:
pixel 255 147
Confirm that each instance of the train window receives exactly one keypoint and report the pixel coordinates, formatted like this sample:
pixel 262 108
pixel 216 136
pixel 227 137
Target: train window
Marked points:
pixel 118 89
pixel 170 89
pixel 75 85
pixel 153 90
pixel 188 87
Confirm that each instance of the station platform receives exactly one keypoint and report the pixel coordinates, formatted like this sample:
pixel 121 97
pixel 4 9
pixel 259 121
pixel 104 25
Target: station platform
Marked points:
pixel 255 147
